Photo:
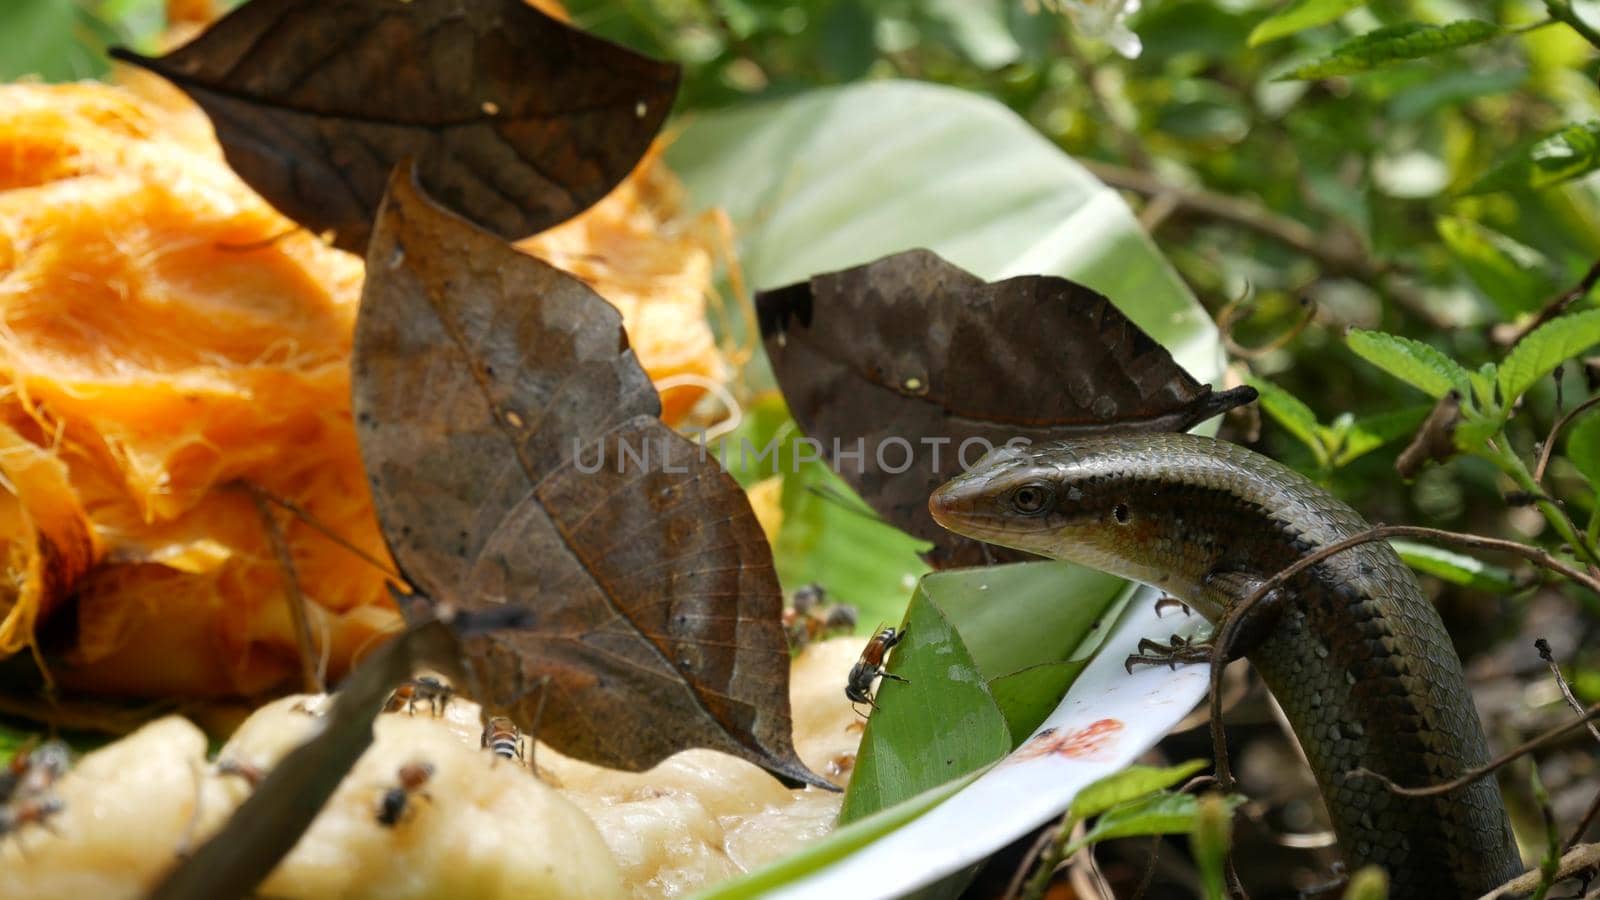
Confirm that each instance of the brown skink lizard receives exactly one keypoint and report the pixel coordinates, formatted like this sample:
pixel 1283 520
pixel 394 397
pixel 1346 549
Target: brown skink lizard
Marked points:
pixel 1357 657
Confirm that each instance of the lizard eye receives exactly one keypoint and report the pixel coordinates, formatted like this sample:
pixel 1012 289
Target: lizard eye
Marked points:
pixel 1120 513
pixel 1031 499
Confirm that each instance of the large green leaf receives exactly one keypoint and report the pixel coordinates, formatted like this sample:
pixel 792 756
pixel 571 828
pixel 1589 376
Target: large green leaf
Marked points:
pixel 1397 43
pixel 1031 628
pixel 839 177
pixel 834 178
pixel 1300 15
pixel 1564 155
pixel 832 538
pixel 1546 347
pixel 939 724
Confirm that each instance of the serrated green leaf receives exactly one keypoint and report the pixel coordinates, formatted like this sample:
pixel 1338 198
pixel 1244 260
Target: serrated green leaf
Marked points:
pixel 1368 433
pixel 1546 347
pixel 1484 382
pixel 1163 813
pixel 1130 784
pixel 1473 432
pixel 1417 364
pixel 1397 43
pixel 1583 447
pixel 1456 568
pixel 1515 277
pixel 1564 155
pixel 1296 418
pixel 1300 15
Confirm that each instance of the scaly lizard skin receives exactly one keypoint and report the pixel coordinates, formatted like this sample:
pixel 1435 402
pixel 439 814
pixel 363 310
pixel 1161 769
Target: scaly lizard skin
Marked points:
pixel 1357 657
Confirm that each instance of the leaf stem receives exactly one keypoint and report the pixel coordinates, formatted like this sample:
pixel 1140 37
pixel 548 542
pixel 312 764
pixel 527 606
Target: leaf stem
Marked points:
pixel 1510 463
pixel 1562 10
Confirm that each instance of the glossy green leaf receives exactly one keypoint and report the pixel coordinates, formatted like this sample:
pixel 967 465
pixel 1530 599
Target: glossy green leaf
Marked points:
pixel 1130 784
pixel 1417 364
pixel 1027 697
pixel 830 537
pixel 1456 568
pixel 1396 43
pixel 1030 627
pixel 832 178
pixel 1296 418
pixel 939 724
pixel 1162 813
pixel 1016 616
pixel 1583 446
pixel 1300 15
pixel 1562 156
pixel 1515 277
pixel 1544 348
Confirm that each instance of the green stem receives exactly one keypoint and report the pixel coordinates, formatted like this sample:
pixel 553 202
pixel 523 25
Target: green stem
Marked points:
pixel 1501 454
pixel 1051 858
pixel 1563 11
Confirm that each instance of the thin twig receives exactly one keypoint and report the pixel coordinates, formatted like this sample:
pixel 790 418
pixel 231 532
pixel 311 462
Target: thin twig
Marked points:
pixel 1149 867
pixel 1553 307
pixel 1543 646
pixel 1434 790
pixel 1339 257
pixel 1555 430
pixel 1227 633
pixel 299 616
pixel 299 512
pixel 1235 312
pixel 1584 823
pixel 1014 886
pixel 1578 860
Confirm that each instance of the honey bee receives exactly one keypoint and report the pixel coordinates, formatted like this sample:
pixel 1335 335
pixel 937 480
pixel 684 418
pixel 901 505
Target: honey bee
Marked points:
pixel 870 666
pixel 809 617
pixel 504 738
pixel 392 808
pixel 30 811
pixel 435 692
pixel 34 770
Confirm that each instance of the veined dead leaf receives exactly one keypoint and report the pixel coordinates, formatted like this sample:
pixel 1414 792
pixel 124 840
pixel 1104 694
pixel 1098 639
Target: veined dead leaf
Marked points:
pixel 484 379
pixel 923 367
pixel 515 119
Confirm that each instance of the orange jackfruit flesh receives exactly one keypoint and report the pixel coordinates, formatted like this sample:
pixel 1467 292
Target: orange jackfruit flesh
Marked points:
pixel 166 335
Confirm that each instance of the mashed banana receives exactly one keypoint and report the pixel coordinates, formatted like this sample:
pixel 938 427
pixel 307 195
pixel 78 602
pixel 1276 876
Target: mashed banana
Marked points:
pixel 479 827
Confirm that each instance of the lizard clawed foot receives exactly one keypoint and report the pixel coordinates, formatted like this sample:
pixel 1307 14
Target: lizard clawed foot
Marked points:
pixel 1176 650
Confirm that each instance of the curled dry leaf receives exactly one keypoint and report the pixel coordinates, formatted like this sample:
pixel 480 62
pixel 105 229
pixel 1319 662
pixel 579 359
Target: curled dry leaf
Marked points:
pixel 487 384
pixel 922 366
pixel 516 120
